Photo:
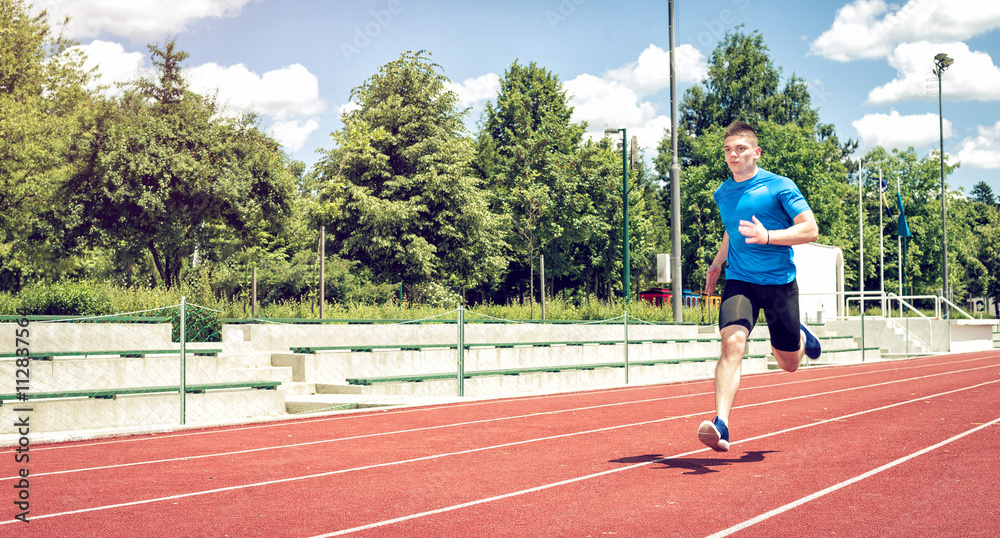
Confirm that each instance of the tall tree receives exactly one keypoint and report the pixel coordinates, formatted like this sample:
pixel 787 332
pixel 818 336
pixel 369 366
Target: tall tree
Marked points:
pixel 42 96
pixel 160 171
pixel 744 84
pixel 525 139
pixel 399 194
pixel 983 193
pixel 987 254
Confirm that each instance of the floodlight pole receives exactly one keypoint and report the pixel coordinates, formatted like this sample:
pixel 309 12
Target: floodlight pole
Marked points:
pixel 942 62
pixel 861 234
pixel 675 187
pixel 881 243
pixel 626 272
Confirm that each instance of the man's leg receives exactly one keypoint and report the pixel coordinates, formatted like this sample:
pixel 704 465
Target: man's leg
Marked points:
pixel 727 371
pixel 789 360
pixel 715 433
pixel 790 340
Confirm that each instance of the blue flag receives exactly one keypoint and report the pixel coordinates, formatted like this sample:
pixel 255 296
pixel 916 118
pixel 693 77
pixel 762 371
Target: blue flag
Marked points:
pixel 904 228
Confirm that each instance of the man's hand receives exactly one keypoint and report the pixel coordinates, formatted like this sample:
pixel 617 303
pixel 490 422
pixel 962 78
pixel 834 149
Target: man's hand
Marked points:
pixel 712 277
pixel 754 232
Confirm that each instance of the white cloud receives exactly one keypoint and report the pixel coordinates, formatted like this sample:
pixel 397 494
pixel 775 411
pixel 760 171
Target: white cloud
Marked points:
pixel 603 104
pixel 651 72
pixel 972 77
pixel 873 28
pixel 138 20
pixel 113 64
pixel 900 132
pixel 348 107
pixel 288 98
pixel 293 134
pixel 617 99
pixel 982 151
pixel 284 93
pixel 474 92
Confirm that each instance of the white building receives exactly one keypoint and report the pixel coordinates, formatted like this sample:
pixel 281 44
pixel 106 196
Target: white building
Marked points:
pixel 820 274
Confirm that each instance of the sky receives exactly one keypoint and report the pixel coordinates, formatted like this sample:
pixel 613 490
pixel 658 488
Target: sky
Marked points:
pixel 868 63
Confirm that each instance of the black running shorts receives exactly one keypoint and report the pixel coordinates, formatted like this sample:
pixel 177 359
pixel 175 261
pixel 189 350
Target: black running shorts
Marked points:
pixel 743 301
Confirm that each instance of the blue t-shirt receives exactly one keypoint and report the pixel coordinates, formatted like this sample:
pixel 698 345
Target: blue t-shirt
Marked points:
pixel 776 201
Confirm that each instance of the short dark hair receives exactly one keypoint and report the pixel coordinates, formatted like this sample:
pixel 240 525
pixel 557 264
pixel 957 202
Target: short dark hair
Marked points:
pixel 742 128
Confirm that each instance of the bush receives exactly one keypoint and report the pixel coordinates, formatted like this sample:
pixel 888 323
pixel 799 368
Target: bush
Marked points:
pixel 65 299
pixel 200 324
pixel 8 304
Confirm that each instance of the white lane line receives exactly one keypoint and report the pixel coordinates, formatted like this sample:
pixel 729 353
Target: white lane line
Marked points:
pixel 343 471
pixel 366 436
pixel 484 421
pixel 621 469
pixel 470 451
pixel 831 489
pixel 294 423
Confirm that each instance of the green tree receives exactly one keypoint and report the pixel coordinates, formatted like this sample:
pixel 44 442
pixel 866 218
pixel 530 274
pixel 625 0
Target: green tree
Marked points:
pixel 42 96
pixel 523 146
pixel 743 83
pixel 986 248
pixel 398 193
pixel 160 172
pixel 919 180
pixel 982 193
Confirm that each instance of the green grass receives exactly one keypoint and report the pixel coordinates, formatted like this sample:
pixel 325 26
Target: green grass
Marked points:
pixel 116 300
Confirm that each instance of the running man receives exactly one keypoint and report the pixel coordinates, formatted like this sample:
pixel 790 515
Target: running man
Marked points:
pixel 764 215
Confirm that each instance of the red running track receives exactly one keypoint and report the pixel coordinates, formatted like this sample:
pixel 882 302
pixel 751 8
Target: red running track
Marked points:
pixel 899 448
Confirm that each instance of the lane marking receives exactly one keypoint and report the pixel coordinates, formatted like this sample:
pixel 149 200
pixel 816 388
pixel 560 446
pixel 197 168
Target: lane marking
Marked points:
pixel 831 489
pixel 483 421
pixel 469 451
pixel 431 407
pixel 379 414
pixel 603 473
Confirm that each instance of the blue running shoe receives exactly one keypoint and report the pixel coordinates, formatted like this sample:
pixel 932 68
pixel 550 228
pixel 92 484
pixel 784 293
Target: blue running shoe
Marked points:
pixel 813 348
pixel 714 434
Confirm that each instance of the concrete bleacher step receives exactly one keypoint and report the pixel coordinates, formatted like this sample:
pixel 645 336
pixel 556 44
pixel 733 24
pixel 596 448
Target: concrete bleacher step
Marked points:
pixel 81 373
pixel 326 388
pixel 293 388
pixel 541 382
pixel 326 403
pixel 146 410
pixel 260 373
pixel 106 390
pixel 334 367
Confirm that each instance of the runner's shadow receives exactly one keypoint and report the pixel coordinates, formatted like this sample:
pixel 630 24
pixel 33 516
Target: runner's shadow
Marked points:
pixel 696 466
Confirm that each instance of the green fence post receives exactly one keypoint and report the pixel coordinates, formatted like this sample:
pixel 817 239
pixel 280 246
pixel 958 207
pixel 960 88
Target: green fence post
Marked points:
pixel 461 350
pixel 183 362
pixel 626 347
pixel 862 334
